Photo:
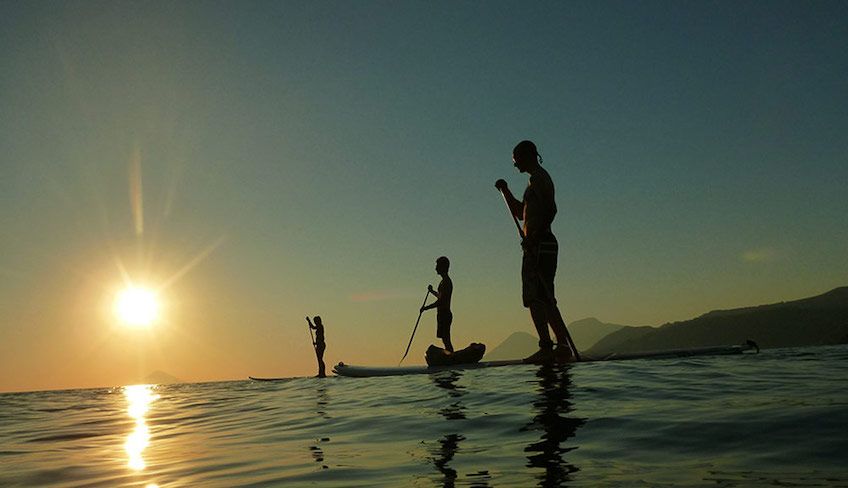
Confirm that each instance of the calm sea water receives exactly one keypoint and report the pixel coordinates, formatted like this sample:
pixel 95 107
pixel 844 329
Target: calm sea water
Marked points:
pixel 779 418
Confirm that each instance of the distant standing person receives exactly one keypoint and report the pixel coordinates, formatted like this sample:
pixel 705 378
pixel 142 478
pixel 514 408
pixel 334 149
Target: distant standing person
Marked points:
pixel 444 316
pixel 319 344
pixel 537 210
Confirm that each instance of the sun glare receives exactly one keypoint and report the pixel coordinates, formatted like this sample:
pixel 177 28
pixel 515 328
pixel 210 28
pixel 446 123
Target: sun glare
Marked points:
pixel 137 306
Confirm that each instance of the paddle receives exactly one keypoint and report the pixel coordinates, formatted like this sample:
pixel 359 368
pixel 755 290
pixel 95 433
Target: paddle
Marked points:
pixel 514 218
pixel 415 328
pixel 309 326
pixel 545 286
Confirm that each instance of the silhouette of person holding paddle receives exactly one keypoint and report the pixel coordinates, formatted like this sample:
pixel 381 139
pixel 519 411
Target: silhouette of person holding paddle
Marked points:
pixel 318 343
pixel 444 316
pixel 537 210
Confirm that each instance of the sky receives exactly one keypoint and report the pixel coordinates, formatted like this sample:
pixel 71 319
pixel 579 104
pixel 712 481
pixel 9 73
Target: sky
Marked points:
pixel 257 162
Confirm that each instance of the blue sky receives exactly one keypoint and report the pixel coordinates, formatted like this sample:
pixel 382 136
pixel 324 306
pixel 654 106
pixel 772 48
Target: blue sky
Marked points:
pixel 316 157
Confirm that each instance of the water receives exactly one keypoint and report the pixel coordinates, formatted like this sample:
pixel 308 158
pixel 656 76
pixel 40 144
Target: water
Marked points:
pixel 774 419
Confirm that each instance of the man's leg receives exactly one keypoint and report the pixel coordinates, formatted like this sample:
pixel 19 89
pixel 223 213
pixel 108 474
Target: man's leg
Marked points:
pixel 547 266
pixel 557 324
pixel 534 298
pixel 563 352
pixel 539 314
pixel 444 322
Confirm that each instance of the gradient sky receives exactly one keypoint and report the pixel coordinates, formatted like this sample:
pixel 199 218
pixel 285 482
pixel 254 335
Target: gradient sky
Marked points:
pixel 316 157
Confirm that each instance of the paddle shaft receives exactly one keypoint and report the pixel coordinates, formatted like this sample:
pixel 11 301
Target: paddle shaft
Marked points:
pixel 416 327
pixel 514 218
pixel 544 285
pixel 309 326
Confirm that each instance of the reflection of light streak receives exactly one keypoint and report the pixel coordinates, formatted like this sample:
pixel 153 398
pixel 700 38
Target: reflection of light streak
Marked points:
pixel 139 398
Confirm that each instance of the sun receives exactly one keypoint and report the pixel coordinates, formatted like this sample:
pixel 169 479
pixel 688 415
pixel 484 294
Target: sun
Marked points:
pixel 137 306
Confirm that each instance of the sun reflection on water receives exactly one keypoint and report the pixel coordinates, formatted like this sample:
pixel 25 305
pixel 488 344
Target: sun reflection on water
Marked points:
pixel 139 398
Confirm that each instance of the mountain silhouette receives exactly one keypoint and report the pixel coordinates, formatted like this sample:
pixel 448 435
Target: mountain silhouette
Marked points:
pixel 818 320
pixel 585 332
pixel 160 378
pixel 516 346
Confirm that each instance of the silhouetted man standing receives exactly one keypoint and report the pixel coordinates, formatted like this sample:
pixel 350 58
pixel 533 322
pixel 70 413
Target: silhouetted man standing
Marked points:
pixel 444 316
pixel 319 344
pixel 537 210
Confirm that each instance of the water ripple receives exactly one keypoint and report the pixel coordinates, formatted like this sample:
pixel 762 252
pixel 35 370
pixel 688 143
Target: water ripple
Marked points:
pixel 763 420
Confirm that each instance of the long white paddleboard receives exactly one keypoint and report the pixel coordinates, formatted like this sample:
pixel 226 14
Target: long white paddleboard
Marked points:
pixel 343 369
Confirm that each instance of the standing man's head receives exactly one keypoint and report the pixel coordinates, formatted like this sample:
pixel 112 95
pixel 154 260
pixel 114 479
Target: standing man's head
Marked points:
pixel 317 320
pixel 442 265
pixel 525 156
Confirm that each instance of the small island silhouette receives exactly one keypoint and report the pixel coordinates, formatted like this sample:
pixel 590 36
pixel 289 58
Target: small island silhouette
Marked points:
pixel 160 378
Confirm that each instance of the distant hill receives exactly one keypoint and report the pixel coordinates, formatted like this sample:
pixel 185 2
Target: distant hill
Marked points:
pixel 818 320
pixel 620 339
pixel 517 345
pixel 585 332
pixel 160 378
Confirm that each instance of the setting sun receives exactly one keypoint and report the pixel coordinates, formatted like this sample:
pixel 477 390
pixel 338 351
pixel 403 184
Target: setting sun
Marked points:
pixel 137 306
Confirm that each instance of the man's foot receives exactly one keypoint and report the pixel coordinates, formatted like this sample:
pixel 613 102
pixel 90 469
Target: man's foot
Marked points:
pixel 542 356
pixel 563 354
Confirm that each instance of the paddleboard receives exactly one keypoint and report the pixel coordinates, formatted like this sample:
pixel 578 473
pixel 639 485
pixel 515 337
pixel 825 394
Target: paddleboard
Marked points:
pixel 678 353
pixel 268 379
pixel 343 369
